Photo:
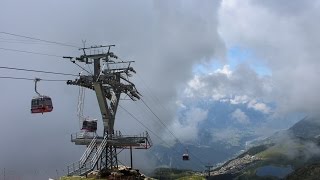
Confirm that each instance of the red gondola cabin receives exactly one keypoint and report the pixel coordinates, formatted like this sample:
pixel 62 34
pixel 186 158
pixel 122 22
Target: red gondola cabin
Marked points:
pixel 89 126
pixel 185 157
pixel 41 104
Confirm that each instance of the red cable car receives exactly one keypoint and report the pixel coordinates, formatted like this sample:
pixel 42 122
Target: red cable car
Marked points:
pixel 185 156
pixel 40 104
pixel 89 126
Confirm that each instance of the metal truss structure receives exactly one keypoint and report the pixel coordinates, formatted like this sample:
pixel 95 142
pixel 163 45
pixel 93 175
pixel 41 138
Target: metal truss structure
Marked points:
pixel 109 80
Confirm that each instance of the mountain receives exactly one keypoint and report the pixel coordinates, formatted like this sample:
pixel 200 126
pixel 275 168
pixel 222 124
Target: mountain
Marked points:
pixel 308 172
pixel 295 151
pixel 307 128
pixel 222 134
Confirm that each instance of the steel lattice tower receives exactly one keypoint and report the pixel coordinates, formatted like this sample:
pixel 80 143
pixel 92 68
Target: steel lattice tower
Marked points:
pixel 108 82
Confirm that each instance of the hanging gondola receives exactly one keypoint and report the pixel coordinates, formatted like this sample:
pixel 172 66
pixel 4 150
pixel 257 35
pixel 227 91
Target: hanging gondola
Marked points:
pixel 89 126
pixel 40 103
pixel 185 156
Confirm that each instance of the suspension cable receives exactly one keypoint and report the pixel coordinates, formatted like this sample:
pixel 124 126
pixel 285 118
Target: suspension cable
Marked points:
pixel 29 79
pixel 30 52
pixel 163 141
pixel 175 137
pixel 43 40
pixel 39 71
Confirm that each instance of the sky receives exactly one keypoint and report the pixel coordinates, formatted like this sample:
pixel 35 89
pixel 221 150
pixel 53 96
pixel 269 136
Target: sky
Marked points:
pixel 251 51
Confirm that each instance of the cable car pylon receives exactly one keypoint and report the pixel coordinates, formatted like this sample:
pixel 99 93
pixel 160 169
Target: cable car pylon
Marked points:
pixel 109 80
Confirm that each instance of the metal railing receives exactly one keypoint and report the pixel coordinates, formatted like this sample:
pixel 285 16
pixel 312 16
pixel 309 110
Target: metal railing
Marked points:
pixel 82 135
pixel 91 156
pixel 99 151
pixel 78 169
pixel 88 151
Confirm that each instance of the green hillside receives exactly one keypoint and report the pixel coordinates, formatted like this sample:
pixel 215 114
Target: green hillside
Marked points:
pixel 291 151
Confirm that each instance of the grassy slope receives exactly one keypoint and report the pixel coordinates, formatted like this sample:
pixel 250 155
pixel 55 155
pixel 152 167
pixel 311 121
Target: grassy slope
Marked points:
pixel 277 155
pixel 172 173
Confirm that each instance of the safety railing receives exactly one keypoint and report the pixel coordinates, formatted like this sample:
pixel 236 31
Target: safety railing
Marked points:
pixel 88 151
pixel 99 151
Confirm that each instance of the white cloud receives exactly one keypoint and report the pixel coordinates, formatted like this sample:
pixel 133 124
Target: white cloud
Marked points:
pixel 239 99
pixel 284 36
pixel 180 104
pixel 225 70
pixel 259 106
pixel 240 117
pixel 196 83
pixel 187 129
pixel 230 136
pixel 241 86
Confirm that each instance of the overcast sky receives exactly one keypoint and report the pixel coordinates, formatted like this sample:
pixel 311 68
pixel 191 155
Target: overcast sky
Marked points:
pixel 169 40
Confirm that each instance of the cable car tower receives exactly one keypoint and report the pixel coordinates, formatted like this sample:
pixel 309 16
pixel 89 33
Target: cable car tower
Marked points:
pixel 109 80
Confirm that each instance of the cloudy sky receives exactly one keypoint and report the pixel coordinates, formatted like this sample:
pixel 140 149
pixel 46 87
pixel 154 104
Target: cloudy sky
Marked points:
pixel 253 52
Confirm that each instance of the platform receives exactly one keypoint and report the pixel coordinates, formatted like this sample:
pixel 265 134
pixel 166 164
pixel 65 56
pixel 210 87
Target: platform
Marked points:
pixel 141 141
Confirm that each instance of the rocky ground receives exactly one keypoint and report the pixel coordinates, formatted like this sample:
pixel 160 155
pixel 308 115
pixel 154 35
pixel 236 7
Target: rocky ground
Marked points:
pixel 122 172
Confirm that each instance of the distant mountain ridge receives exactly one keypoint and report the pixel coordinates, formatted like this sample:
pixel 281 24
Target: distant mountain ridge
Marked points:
pixel 308 128
pixel 295 148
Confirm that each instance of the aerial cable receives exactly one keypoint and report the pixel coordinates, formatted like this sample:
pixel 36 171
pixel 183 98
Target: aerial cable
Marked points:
pixel 32 70
pixel 23 42
pixel 177 139
pixel 74 62
pixel 82 68
pixel 159 119
pixel 153 97
pixel 152 110
pixel 163 141
pixel 18 40
pixel 169 130
pixel 78 106
pixel 90 69
pixel 30 79
pixel 29 52
pixel 47 41
pixel 142 123
pixel 81 97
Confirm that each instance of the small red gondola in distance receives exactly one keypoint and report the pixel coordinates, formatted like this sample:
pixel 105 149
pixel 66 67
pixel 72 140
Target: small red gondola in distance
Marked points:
pixel 40 103
pixel 185 156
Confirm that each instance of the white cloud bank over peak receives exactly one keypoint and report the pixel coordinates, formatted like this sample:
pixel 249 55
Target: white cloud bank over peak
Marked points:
pixel 285 35
pixel 240 86
pixel 186 129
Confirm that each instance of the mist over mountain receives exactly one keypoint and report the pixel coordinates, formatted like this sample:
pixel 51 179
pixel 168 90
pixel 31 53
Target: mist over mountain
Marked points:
pixel 292 151
pixel 225 131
